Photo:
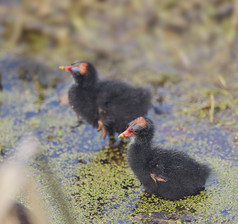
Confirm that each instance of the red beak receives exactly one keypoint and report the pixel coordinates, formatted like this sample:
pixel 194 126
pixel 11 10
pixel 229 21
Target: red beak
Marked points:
pixel 67 68
pixel 127 133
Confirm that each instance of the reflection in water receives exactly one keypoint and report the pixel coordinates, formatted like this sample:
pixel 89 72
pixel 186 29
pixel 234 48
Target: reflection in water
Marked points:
pixel 114 153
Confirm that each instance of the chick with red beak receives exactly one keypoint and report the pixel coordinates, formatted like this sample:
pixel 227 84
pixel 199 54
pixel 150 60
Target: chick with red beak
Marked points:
pixel 168 173
pixel 108 105
pixel 82 94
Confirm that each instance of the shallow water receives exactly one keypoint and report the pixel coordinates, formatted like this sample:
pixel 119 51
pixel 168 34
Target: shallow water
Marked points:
pixel 95 178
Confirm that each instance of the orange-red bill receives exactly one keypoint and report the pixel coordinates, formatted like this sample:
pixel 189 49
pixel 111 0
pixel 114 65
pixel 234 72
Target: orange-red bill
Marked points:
pixel 66 68
pixel 127 133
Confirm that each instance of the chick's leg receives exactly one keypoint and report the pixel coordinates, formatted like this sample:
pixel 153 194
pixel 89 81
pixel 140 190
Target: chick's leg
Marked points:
pixel 101 127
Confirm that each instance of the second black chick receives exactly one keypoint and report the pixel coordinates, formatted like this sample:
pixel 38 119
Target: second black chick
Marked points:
pixel 108 105
pixel 167 173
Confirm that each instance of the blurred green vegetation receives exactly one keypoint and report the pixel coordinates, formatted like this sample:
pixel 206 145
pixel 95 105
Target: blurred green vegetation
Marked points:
pixel 189 33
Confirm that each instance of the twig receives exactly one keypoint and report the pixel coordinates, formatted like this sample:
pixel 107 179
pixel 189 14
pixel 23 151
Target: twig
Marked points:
pixel 222 81
pixel 212 107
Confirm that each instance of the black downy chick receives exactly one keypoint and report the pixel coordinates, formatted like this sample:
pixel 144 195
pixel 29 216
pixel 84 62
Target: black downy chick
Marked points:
pixel 167 173
pixel 83 93
pixel 108 105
